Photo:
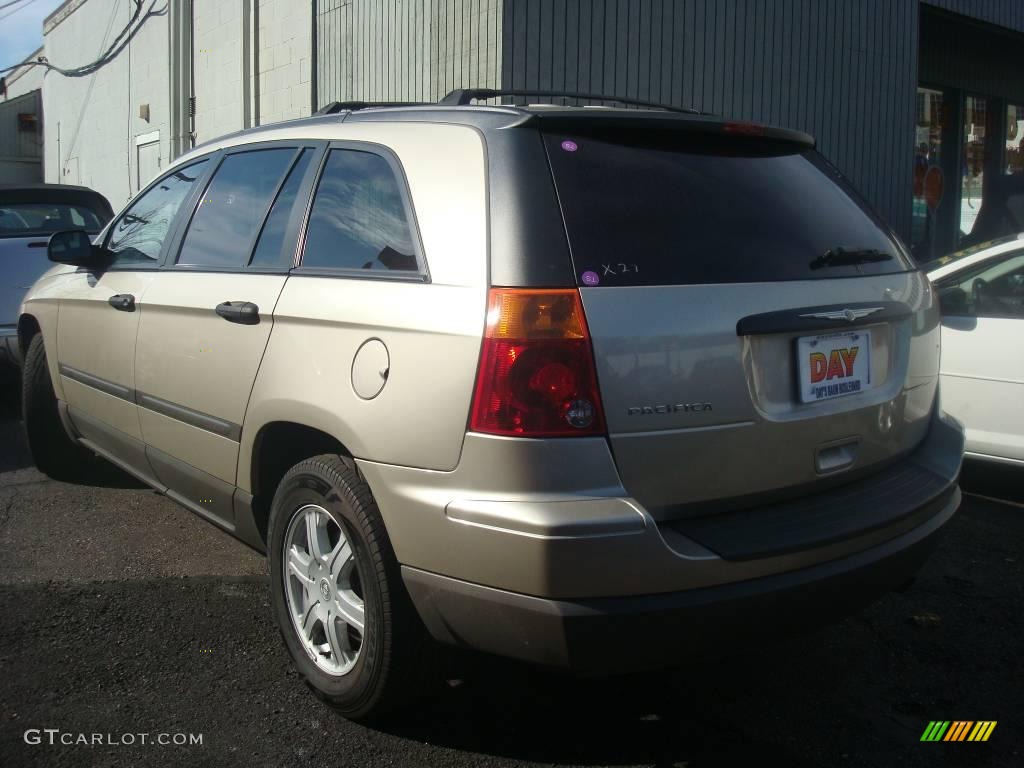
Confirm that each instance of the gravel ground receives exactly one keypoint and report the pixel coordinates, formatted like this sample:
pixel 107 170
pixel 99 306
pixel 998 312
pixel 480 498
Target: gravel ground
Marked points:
pixel 123 613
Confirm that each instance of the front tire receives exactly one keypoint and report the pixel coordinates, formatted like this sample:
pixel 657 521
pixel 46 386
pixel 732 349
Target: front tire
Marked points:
pixel 53 451
pixel 337 591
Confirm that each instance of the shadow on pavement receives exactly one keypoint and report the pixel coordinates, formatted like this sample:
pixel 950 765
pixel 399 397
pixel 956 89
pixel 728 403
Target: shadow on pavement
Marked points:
pixel 662 718
pixel 14 453
pixel 997 481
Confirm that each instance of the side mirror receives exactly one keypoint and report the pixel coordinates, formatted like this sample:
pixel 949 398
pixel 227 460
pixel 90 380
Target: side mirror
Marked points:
pixel 72 246
pixel 953 301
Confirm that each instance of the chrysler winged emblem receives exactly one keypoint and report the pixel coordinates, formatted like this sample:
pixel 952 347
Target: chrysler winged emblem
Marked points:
pixel 844 314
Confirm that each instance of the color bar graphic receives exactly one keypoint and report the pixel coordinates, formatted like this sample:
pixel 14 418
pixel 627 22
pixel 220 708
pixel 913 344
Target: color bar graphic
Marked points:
pixel 935 730
pixel 982 730
pixel 958 730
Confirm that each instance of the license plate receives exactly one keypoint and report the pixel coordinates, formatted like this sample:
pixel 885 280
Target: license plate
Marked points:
pixel 834 365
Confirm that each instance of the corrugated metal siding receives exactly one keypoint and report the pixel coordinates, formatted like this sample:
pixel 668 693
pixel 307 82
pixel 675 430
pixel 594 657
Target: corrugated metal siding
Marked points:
pixel 405 50
pixel 1005 13
pixel 843 71
pixel 21 144
pixel 972 58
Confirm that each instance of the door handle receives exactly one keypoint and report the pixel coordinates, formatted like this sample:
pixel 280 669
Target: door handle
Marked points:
pixel 123 301
pixel 244 312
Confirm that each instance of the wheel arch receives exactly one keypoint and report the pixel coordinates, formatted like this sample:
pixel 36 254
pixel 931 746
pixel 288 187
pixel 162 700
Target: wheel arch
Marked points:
pixel 41 322
pixel 28 327
pixel 273 448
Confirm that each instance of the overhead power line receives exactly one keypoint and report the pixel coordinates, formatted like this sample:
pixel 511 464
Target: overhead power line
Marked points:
pixel 115 47
pixel 22 4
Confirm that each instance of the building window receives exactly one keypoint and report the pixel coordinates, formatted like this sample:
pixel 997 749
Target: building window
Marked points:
pixel 973 171
pixel 927 168
pixel 1014 133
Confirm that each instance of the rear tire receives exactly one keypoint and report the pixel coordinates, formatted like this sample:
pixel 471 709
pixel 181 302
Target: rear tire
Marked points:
pixel 53 451
pixel 367 672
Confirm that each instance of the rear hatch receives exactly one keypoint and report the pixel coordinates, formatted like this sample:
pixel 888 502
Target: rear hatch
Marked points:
pixel 758 332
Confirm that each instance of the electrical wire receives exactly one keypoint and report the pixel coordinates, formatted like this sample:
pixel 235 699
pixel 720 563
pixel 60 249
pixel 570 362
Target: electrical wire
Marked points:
pixel 13 11
pixel 113 50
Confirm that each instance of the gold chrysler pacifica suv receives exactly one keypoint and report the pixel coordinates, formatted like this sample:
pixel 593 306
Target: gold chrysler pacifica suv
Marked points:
pixel 548 382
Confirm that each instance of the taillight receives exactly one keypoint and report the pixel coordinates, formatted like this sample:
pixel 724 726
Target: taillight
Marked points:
pixel 536 376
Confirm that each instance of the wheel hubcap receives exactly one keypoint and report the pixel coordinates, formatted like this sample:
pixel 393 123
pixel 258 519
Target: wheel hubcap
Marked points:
pixel 322 589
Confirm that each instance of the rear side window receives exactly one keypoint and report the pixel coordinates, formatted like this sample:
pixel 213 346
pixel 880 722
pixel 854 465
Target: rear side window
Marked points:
pixel 270 247
pixel 664 209
pixel 359 220
pixel 224 226
pixel 25 219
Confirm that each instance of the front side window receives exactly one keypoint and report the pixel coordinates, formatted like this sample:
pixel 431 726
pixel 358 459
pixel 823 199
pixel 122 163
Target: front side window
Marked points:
pixel 359 219
pixel 138 236
pixel 991 290
pixel 232 209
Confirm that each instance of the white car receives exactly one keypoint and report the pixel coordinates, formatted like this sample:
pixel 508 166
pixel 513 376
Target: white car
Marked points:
pixel 981 292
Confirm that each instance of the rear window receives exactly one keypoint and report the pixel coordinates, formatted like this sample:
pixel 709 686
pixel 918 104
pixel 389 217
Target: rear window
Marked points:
pixel 25 219
pixel 674 209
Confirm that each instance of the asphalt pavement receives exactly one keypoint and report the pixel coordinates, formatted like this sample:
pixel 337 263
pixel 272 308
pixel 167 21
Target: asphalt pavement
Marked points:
pixel 123 615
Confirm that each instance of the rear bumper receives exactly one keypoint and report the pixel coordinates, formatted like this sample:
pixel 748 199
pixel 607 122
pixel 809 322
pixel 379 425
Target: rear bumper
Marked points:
pixel 582 635
pixel 531 549
pixel 550 519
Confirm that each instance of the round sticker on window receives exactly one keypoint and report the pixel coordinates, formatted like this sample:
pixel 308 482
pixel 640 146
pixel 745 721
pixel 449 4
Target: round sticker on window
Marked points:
pixel 590 278
pixel 569 146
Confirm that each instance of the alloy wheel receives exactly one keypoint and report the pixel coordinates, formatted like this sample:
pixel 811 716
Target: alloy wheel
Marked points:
pixel 323 590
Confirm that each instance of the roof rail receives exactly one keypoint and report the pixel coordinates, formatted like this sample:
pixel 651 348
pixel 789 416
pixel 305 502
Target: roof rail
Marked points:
pixel 463 96
pixel 351 106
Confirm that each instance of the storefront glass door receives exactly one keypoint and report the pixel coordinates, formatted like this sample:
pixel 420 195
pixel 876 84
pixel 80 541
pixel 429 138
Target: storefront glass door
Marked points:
pixel 1014 158
pixel 972 161
pixel 927 170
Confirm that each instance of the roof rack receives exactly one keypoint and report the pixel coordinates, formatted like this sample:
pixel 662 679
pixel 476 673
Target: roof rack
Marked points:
pixel 351 106
pixel 463 96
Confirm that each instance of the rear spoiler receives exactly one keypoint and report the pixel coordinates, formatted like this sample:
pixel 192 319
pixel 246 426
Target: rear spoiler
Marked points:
pixel 637 119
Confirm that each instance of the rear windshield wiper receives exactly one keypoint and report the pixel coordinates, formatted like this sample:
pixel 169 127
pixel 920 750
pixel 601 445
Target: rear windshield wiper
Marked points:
pixel 841 257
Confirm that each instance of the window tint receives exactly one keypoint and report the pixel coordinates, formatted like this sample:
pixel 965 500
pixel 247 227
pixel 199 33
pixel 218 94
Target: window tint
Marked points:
pixel 24 219
pixel 268 248
pixel 358 220
pixel 990 290
pixel 139 234
pixel 232 208
pixel 674 208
